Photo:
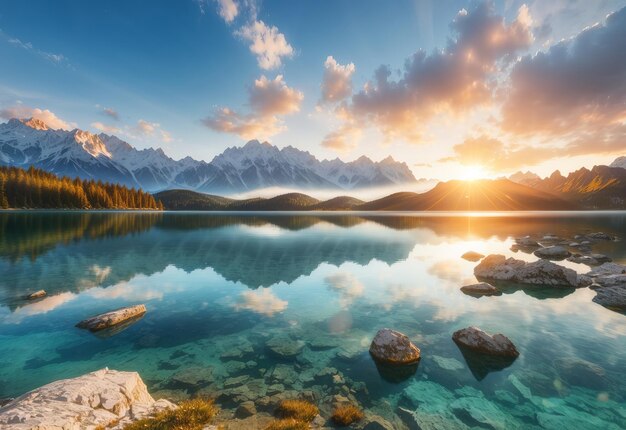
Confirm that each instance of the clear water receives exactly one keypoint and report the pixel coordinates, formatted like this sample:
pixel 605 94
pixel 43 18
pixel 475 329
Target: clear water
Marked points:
pixel 221 289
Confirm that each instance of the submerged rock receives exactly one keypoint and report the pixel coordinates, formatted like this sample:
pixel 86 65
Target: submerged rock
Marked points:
pixel 527 242
pixel 553 253
pixel 600 236
pixel 36 295
pixel 284 347
pixel 472 256
pixel 95 399
pixel 576 371
pixel 112 318
pixel 480 289
pixel 543 273
pixel 477 340
pixel 390 346
pixel 376 422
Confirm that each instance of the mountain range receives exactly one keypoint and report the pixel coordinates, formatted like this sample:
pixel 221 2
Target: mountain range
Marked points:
pixel 255 165
pixel 601 187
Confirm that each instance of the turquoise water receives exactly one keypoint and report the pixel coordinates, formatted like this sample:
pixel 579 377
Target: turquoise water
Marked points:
pixel 247 306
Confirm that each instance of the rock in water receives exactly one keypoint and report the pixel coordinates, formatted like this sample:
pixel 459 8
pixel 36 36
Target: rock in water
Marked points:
pixel 95 399
pixel 36 295
pixel 109 319
pixel 553 253
pixel 477 340
pixel 472 256
pixel 497 267
pixel 392 347
pixel 613 297
pixel 480 289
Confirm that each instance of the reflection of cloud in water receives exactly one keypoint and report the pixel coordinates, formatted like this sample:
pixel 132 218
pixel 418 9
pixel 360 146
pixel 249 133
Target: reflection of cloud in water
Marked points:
pixel 450 270
pixel 267 230
pixel 39 307
pixel 347 285
pixel 127 291
pixel 98 273
pixel 101 273
pixel 263 302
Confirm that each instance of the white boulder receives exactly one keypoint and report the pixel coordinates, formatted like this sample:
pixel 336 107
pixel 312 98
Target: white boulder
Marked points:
pixel 102 398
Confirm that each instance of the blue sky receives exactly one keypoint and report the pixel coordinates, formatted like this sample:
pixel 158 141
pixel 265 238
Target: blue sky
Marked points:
pixel 167 70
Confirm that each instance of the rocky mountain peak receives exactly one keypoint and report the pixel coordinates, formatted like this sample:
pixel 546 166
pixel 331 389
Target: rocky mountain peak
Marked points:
pixel 36 124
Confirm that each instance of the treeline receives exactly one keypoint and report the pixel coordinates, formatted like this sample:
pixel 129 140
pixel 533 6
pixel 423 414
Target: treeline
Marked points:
pixel 36 188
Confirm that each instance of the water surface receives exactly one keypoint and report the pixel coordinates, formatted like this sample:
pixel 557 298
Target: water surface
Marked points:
pixel 247 306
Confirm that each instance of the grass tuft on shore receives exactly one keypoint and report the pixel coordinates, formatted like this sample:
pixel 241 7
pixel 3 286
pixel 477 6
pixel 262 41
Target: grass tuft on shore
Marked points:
pixel 346 415
pixel 191 414
pixel 299 410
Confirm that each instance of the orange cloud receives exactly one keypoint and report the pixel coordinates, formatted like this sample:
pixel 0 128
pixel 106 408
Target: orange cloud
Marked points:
pixel 576 91
pixel 337 80
pixel 269 100
pixel 25 112
pixel 455 80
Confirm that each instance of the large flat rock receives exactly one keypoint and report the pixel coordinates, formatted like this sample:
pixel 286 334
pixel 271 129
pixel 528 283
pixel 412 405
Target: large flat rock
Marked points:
pixel 99 398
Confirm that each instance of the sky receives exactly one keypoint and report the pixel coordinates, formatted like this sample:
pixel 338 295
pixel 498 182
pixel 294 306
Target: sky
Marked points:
pixel 456 89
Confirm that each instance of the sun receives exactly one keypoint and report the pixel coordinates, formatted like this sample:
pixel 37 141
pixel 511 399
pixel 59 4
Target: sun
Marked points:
pixel 471 173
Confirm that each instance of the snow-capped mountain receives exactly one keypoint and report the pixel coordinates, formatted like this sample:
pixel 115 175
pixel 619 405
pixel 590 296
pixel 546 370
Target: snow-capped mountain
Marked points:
pixel 255 165
pixel 619 162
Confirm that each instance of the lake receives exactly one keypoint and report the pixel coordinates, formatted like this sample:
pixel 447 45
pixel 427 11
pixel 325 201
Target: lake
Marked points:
pixel 255 305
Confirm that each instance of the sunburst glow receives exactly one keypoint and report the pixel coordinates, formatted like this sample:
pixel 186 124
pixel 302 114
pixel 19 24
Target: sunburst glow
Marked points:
pixel 471 173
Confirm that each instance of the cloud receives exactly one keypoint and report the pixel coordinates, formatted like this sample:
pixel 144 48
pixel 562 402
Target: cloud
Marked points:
pixel 228 10
pixel 337 80
pixel 576 90
pixel 25 112
pixel 494 155
pixel 344 139
pixel 267 43
pixel 106 128
pixel 346 285
pixel 454 80
pixel 263 302
pixel 150 129
pixel 269 100
pixel 274 97
pixel 54 58
pixel 111 113
pixel 225 120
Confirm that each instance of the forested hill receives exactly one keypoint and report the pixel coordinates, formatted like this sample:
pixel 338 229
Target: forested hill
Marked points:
pixel 35 188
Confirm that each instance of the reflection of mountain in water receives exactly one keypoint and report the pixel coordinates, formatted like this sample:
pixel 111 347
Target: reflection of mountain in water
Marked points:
pixel 249 250
pixel 62 252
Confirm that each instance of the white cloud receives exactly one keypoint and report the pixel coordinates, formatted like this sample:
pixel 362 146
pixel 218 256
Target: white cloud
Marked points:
pixel 25 112
pixel 267 43
pixel 55 58
pixel 263 302
pixel 337 80
pixel 228 10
